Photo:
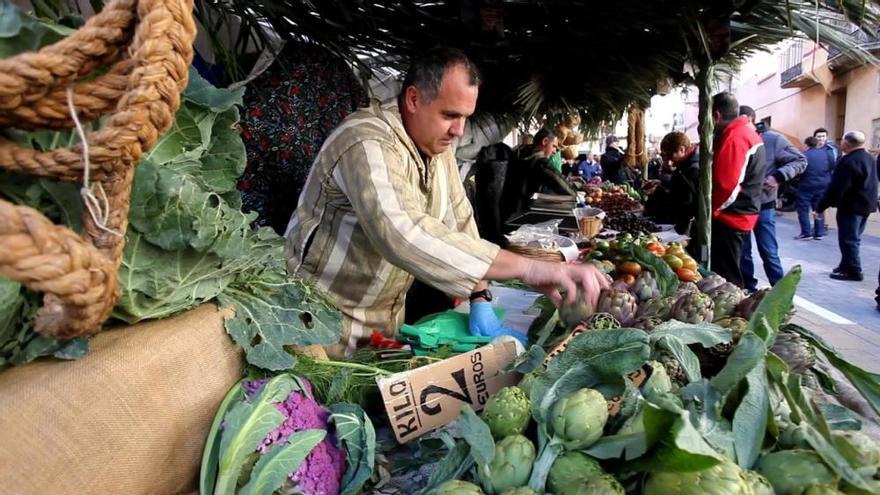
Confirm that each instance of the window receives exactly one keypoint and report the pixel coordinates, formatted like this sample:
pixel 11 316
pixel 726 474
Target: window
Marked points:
pixel 875 134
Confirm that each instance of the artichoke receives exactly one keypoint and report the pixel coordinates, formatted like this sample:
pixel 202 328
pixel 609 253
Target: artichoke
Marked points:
pixel 646 323
pixel 797 353
pixel 822 490
pixel 725 478
pixel 747 306
pixel 579 418
pixel 674 369
pixel 792 437
pixel 619 304
pixel 646 287
pixel 725 302
pixel 600 484
pixel 569 467
pixel 685 288
pixel 736 325
pixel 572 314
pixel 693 307
pixel 602 321
pixel 456 487
pixel 710 283
pixel 528 379
pixel 793 471
pixel 726 287
pixel 507 412
pixel 520 490
pixel 658 307
pixel 860 449
pixel 759 483
pixel 511 466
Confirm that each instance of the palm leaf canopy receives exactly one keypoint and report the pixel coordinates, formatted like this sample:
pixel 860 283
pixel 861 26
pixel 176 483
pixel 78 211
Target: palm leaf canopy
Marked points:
pixel 547 58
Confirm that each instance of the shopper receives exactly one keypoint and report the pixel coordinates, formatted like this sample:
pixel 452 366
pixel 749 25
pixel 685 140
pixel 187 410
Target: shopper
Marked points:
pixel 813 184
pixel 853 191
pixel 588 167
pixel 675 200
pixel 821 135
pixel 613 169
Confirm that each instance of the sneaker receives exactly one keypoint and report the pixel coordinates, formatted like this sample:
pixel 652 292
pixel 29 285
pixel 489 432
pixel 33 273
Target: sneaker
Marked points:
pixel 803 237
pixel 818 237
pixel 849 277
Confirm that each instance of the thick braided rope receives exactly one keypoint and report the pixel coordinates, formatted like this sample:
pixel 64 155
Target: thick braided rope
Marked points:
pixel 53 259
pixel 160 54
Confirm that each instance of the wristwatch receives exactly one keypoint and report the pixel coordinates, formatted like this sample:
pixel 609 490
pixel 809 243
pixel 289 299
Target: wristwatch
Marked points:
pixel 485 294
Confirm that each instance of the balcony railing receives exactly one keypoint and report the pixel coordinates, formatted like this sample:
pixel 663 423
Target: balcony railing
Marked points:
pixel 791 73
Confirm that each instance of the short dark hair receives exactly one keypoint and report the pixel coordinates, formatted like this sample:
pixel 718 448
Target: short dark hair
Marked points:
pixel 725 104
pixel 747 111
pixel 821 129
pixel 426 73
pixel 541 135
pixel 672 141
pixel 811 142
pixel 610 139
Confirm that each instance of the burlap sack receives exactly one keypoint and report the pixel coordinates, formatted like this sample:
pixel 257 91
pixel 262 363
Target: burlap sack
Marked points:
pixel 130 417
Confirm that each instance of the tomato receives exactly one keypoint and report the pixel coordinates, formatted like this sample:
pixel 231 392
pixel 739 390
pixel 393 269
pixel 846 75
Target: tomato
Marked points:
pixel 628 279
pixel 686 275
pixel 689 264
pixel 630 268
pixel 656 248
pixel 673 261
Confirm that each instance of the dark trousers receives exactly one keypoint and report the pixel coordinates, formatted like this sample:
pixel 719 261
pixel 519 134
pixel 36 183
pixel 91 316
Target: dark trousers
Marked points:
pixel 765 237
pixel 808 199
pixel 849 236
pixel 726 251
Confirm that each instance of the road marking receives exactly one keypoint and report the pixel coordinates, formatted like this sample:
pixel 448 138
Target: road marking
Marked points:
pixel 820 311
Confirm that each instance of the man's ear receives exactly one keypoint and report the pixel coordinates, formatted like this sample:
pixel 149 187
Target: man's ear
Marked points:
pixel 411 99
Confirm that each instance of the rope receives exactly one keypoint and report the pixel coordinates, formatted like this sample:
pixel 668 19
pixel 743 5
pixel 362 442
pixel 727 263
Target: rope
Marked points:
pixel 150 44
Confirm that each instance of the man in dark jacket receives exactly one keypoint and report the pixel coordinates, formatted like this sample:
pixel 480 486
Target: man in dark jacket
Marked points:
pixel 532 173
pixel 613 169
pixel 675 200
pixel 737 178
pixel 784 162
pixel 853 191
pixel 813 183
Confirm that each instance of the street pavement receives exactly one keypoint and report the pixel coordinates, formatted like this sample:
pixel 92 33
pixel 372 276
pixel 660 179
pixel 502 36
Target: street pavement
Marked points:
pixel 843 313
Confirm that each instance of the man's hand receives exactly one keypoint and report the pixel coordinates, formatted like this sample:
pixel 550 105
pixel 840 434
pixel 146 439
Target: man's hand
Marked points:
pixel 554 278
pixel 483 322
pixel 770 182
pixel 650 186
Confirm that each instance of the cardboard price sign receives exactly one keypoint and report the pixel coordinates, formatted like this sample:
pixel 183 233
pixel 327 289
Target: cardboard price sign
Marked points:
pixel 423 399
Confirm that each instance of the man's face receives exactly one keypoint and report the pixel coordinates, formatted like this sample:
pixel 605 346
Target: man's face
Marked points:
pixel 845 147
pixel 716 116
pixel 821 137
pixel 433 125
pixel 679 155
pixel 549 145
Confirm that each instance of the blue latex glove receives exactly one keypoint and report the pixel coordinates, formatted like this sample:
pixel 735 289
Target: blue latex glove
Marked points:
pixel 484 323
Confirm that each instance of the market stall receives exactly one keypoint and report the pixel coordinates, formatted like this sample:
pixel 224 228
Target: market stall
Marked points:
pixel 131 227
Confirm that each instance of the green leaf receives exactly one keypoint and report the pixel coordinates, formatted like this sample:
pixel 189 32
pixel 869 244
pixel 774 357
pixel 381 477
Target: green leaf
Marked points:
pixel 355 432
pixel 476 433
pixel 223 162
pixel 11 304
pixel 667 281
pixel 867 383
pixel 246 426
pixel 274 467
pixel 541 468
pixel 707 335
pixel 839 417
pixel 775 307
pixel 211 453
pixel 270 316
pixel 689 361
pixel 750 419
pixel 203 93
pixel 703 403
pixel 676 445
pixel 529 360
pixel 547 390
pixel 611 353
pixel 630 445
pixel 72 349
pixel 833 458
pixel 749 352
pixel 452 467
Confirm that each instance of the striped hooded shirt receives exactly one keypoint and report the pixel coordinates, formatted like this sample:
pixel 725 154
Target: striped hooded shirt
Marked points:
pixel 373 216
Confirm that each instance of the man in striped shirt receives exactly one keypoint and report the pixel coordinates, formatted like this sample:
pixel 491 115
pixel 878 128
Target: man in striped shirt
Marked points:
pixel 384 204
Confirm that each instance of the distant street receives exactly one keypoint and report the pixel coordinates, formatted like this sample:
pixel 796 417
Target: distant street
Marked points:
pixel 842 312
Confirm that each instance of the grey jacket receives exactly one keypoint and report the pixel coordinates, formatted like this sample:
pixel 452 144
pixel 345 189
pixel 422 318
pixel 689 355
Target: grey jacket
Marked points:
pixel 784 161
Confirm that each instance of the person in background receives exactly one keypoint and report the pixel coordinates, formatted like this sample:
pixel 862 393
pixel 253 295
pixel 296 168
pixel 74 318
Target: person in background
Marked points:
pixel 821 135
pixel 853 191
pixel 675 200
pixel 737 178
pixel 556 158
pixel 784 162
pixel 533 173
pixel 655 166
pixel 612 162
pixel 814 182
pixel 569 160
pixel 588 167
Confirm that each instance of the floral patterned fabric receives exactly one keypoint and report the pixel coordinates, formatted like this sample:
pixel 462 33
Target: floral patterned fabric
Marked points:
pixel 289 111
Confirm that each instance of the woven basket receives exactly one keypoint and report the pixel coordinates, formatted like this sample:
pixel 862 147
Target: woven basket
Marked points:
pixel 590 226
pixel 535 253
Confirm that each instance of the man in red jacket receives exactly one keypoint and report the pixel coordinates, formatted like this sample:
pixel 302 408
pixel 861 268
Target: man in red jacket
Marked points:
pixel 737 176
